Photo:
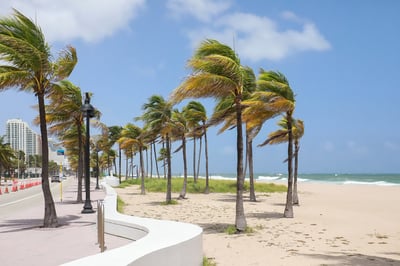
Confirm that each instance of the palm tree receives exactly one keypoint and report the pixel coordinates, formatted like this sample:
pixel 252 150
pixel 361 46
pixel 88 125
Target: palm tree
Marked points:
pixel 7 155
pixel 26 64
pixel 277 83
pixel 281 136
pixel 179 132
pixel 217 73
pixel 114 133
pixel 132 137
pixel 64 113
pixel 158 118
pixel 195 113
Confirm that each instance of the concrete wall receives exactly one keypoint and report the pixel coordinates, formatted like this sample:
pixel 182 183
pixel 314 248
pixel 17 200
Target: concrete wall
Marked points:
pixel 155 242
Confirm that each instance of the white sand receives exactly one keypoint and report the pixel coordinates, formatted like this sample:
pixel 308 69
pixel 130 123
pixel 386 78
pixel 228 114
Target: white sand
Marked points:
pixel 335 225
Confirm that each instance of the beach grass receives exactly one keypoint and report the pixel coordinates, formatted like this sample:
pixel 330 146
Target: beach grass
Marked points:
pixel 120 205
pixel 215 185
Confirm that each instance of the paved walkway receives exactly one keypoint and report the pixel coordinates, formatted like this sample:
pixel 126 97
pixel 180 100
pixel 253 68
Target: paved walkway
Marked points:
pixel 23 242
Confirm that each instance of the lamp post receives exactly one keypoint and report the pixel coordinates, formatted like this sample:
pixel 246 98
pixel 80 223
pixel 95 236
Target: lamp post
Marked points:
pixel 88 112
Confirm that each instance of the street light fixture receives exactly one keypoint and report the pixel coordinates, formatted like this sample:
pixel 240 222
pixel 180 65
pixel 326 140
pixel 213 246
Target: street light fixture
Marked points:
pixel 88 112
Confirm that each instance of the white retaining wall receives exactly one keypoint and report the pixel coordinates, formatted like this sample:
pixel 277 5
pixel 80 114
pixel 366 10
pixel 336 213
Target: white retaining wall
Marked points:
pixel 155 242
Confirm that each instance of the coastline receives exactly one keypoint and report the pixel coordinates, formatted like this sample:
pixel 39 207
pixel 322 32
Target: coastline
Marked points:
pixel 334 224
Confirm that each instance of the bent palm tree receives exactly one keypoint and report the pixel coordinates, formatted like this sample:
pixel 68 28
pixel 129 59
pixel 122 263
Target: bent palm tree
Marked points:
pixel 157 118
pixel 281 136
pixel 179 132
pixel 277 83
pixel 26 64
pixel 132 137
pixel 217 73
pixel 64 113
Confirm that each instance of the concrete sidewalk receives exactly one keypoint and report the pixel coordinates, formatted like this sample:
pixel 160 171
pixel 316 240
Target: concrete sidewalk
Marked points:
pixel 24 242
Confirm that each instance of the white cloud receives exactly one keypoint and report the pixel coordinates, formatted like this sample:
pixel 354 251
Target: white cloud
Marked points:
pixel 203 10
pixel 89 20
pixel 258 38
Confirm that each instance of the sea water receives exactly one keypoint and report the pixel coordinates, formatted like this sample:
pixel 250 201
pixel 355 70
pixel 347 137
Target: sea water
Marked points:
pixel 362 179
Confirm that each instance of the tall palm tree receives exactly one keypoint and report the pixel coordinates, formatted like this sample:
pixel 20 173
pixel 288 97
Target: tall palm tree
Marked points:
pixel 26 64
pixel 63 113
pixel 217 73
pixel 281 136
pixel 132 137
pixel 259 107
pixel 180 131
pixel 114 134
pixel 276 82
pixel 158 118
pixel 196 115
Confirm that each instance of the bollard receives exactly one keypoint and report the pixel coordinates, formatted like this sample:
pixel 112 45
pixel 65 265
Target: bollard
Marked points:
pixel 100 225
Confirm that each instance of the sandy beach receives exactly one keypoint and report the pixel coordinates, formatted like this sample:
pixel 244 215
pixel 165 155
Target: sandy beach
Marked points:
pixel 334 225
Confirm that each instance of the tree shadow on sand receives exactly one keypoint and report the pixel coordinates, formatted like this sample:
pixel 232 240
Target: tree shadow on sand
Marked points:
pixel 354 259
pixel 265 215
pixel 214 228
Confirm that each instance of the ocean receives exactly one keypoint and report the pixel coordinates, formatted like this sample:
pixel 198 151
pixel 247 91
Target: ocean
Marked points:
pixel 362 179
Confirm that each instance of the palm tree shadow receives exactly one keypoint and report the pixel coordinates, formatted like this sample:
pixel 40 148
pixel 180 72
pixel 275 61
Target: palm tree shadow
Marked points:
pixel 343 258
pixel 265 215
pixel 214 228
pixel 227 198
pixel 19 225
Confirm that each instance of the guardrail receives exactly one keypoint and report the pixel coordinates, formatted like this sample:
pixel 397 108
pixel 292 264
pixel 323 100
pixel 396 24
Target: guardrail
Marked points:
pixel 156 242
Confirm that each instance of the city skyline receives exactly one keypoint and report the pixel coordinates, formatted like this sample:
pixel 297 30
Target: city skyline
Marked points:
pixel 341 60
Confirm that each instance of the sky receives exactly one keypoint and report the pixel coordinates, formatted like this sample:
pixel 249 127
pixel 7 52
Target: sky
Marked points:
pixel 341 58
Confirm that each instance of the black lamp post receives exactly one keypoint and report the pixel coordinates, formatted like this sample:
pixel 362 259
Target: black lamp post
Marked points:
pixel 88 112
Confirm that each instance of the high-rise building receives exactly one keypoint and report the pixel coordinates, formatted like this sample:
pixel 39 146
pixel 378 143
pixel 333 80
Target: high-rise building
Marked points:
pixel 22 138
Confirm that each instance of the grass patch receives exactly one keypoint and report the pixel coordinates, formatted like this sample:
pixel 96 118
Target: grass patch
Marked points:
pixel 231 230
pixel 170 202
pixel 208 262
pixel 120 205
pixel 216 186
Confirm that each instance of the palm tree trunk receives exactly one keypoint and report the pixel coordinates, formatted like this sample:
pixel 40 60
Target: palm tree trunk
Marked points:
pixel 207 189
pixel 194 160
pixel 240 220
pixel 182 195
pixel 288 213
pixel 147 162
pixel 296 163
pixel 142 189
pixel 126 167
pixel 164 159
pixel 119 163
pixel 251 169
pixel 155 159
pixel 198 159
pixel 169 176
pixel 151 161
pixel 50 215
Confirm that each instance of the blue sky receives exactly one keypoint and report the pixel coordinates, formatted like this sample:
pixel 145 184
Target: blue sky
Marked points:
pixel 341 58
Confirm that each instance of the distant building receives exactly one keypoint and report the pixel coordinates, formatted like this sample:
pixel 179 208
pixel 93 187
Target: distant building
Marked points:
pixel 22 138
